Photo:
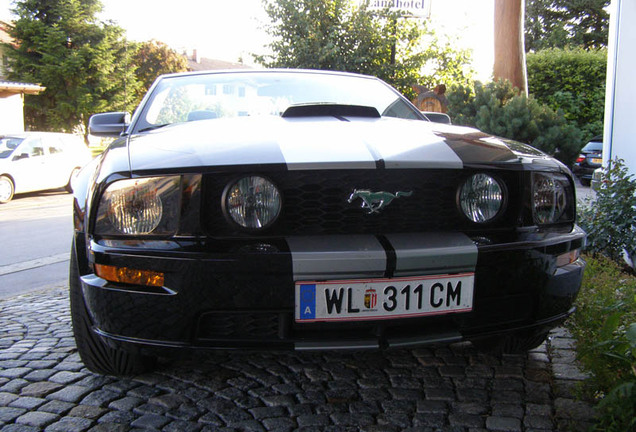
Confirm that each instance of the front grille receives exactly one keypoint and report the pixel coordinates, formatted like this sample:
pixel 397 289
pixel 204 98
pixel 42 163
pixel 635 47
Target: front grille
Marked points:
pixel 239 325
pixel 316 202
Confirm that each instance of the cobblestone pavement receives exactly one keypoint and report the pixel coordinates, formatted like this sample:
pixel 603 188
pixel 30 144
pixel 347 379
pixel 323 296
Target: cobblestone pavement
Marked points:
pixel 44 386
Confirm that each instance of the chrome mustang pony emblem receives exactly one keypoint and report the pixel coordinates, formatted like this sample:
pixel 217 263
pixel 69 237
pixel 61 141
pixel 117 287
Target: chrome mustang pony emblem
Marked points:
pixel 376 201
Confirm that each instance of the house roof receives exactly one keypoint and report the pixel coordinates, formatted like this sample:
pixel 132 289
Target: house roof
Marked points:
pixel 212 64
pixel 16 87
pixel 4 33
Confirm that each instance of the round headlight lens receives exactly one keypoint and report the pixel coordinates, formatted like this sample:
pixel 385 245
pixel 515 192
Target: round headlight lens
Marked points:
pixel 253 202
pixel 549 198
pixel 481 198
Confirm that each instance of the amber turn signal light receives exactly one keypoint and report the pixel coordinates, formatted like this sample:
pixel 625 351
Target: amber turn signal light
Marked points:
pixel 129 276
pixel 568 258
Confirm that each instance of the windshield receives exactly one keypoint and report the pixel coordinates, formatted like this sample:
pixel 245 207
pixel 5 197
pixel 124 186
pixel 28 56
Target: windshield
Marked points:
pixel 216 95
pixel 593 146
pixel 7 145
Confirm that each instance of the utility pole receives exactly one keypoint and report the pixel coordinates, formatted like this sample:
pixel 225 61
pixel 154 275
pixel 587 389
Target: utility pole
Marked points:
pixel 510 57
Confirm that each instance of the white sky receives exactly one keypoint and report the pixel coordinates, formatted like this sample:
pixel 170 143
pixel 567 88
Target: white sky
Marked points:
pixel 228 30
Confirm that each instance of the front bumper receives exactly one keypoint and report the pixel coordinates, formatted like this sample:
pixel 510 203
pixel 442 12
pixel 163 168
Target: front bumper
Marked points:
pixel 226 295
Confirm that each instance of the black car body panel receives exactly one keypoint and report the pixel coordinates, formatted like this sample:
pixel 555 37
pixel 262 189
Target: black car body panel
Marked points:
pixel 224 286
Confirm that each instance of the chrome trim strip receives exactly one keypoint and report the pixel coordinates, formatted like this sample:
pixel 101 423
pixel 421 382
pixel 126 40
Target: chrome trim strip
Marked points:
pixel 411 342
pixel 337 345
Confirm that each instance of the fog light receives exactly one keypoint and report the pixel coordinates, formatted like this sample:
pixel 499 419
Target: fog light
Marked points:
pixel 481 198
pixel 129 276
pixel 253 202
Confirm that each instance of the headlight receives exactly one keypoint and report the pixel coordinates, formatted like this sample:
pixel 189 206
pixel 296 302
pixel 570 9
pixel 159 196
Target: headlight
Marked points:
pixel 481 198
pixel 145 206
pixel 252 202
pixel 549 197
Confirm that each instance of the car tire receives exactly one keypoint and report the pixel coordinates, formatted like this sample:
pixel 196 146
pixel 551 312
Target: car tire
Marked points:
pixel 95 354
pixel 517 343
pixel 7 189
pixel 586 182
pixel 68 186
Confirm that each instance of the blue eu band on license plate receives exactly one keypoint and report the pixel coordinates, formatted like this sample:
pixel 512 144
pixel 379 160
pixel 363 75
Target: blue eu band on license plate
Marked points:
pixel 358 300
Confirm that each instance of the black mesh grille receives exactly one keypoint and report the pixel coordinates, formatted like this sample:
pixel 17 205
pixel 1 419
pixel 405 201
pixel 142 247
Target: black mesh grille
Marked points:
pixel 316 202
pixel 231 325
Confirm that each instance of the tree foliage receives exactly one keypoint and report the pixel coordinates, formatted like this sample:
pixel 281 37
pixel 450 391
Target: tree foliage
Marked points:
pixel 499 109
pixel 346 36
pixel 573 81
pixel 154 58
pixel 566 23
pixel 81 62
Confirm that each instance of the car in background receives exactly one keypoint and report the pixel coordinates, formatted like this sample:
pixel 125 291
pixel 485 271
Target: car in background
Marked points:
pixel 590 158
pixel 311 210
pixel 36 161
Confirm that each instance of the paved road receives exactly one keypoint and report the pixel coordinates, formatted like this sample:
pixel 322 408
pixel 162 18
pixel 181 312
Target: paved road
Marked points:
pixel 35 233
pixel 44 386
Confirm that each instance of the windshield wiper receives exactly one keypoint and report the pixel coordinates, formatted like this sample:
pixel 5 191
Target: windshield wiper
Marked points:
pixel 149 128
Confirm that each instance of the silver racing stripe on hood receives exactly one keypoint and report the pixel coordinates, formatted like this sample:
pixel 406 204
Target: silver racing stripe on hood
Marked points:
pixel 326 143
pixel 410 144
pixel 360 143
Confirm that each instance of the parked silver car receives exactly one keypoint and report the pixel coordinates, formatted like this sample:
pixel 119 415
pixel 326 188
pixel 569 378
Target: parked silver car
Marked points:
pixel 35 161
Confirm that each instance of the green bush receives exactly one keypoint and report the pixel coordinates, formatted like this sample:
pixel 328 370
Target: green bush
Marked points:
pixel 572 81
pixel 610 219
pixel 499 109
pixel 604 327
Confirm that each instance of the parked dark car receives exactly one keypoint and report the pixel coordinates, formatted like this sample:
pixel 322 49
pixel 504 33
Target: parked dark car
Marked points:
pixel 304 210
pixel 590 158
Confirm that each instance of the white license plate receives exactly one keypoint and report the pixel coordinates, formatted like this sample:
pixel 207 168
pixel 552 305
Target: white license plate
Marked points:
pixel 404 297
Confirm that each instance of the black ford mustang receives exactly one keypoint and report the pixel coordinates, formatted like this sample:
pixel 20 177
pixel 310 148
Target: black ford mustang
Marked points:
pixel 311 211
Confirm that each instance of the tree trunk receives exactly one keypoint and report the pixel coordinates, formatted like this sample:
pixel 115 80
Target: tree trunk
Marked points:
pixel 510 58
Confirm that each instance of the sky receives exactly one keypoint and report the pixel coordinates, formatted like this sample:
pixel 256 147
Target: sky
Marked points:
pixel 234 29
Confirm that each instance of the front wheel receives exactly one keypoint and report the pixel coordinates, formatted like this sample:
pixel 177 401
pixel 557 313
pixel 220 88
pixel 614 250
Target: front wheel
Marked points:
pixel 96 355
pixel 7 189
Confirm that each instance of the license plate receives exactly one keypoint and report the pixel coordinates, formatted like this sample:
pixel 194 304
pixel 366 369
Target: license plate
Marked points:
pixel 597 160
pixel 374 299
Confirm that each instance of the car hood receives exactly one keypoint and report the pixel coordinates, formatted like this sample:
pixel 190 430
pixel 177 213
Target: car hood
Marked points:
pixel 323 143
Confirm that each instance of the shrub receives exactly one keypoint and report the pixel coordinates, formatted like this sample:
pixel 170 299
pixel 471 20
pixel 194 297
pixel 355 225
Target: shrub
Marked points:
pixel 499 109
pixel 605 323
pixel 610 219
pixel 572 81
pixel 604 327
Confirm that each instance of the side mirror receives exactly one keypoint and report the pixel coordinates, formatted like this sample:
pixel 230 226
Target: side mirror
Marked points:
pixel 111 124
pixel 21 156
pixel 437 117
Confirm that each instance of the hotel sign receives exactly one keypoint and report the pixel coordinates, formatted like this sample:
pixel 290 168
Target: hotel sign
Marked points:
pixel 418 8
